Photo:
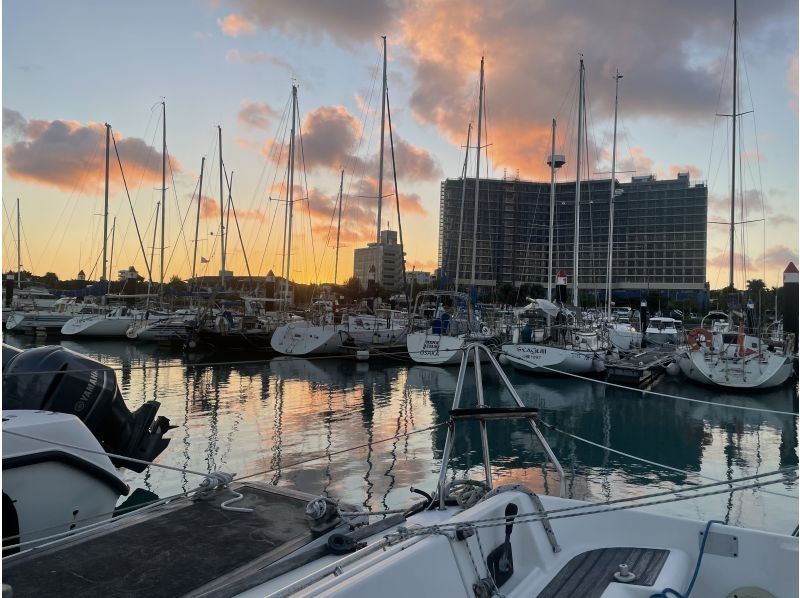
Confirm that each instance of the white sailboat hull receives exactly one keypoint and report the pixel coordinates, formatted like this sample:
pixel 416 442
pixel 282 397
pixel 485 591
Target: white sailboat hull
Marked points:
pixel 20 321
pixel 624 339
pixel 544 359
pixel 749 372
pixel 305 338
pixel 101 325
pixel 435 349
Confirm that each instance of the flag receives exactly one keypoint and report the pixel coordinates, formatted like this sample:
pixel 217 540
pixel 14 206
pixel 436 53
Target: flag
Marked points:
pixel 203 260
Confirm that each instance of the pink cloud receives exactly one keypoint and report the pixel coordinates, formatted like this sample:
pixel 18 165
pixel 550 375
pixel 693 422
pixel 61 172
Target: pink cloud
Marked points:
pixel 234 25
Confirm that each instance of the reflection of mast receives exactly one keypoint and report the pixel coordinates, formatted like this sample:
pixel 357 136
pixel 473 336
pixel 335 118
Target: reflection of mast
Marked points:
pixel 277 426
pixel 367 417
pixel 329 439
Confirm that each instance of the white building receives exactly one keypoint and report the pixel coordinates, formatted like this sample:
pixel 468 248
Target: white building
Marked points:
pixel 385 257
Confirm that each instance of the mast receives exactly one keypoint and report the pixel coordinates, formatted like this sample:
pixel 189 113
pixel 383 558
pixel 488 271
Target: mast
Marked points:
pixel 221 215
pixel 197 219
pixel 477 180
pixel 290 200
pixel 733 146
pixel 105 204
pixel 111 257
pixel 463 198
pixel 163 189
pixel 617 77
pixel 338 230
pixel 552 212
pixel 578 193
pixel 383 128
pixel 19 252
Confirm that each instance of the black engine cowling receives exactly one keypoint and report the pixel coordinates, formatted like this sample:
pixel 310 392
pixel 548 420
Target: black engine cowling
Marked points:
pixel 53 378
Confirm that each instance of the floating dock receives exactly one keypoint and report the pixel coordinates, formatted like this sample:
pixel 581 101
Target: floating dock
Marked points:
pixel 639 369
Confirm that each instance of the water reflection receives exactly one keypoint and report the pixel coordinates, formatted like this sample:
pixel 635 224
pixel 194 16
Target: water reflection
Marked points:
pixel 261 418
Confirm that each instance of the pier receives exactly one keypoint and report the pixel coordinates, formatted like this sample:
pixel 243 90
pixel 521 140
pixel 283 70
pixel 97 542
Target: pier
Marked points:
pixel 639 369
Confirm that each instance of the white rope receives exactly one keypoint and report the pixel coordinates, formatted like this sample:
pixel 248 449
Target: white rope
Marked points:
pixel 660 394
pixel 643 460
pixel 442 528
pixel 106 453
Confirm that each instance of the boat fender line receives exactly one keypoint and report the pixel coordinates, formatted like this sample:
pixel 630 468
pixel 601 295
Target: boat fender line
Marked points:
pixel 666 592
pixel 697 337
pixel 216 480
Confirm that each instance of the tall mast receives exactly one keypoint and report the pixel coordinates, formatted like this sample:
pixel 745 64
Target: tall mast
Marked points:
pixel 221 215
pixel 463 198
pixel 19 252
pixel 383 128
pixel 290 205
pixel 105 204
pixel 477 180
pixel 163 189
pixel 578 193
pixel 617 77
pixel 338 230
pixel 552 212
pixel 111 256
pixel 733 146
pixel 197 220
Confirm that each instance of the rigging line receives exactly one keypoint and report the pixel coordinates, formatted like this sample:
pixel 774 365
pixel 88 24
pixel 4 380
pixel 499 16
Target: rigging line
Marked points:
pixel 587 509
pixel 229 184
pixel 70 535
pixel 181 234
pixel 667 395
pixel 327 455
pixel 107 453
pixel 27 247
pixel 655 463
pixel 144 168
pixel 307 198
pixel 277 161
pixel 261 187
pixel 128 195
pixel 719 100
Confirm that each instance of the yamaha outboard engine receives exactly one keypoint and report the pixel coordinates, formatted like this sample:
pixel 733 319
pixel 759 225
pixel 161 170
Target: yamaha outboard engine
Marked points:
pixel 53 378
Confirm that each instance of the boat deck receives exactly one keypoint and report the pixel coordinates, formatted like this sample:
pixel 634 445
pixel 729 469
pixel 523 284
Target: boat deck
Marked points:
pixel 639 369
pixel 183 548
pixel 589 574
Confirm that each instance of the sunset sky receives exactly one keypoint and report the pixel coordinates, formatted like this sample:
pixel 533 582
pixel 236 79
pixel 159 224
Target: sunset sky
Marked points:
pixel 69 67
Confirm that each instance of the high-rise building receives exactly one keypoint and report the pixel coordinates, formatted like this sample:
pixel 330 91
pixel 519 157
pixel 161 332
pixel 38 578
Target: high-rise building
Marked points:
pixel 659 233
pixel 387 259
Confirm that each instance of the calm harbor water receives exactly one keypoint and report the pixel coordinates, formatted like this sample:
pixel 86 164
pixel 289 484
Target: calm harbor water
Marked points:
pixel 260 419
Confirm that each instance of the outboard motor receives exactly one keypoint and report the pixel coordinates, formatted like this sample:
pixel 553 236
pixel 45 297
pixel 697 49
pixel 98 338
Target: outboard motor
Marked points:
pixel 52 378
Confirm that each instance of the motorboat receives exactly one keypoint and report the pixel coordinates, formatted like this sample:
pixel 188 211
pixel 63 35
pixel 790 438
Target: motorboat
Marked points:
pixel 622 333
pixel 716 354
pixel 465 537
pixel 66 434
pixel 442 324
pixel 663 331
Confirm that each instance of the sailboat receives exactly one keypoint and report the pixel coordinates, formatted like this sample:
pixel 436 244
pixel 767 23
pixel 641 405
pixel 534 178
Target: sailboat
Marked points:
pixel 724 356
pixel 566 348
pixel 319 333
pixel 443 322
pixel 621 333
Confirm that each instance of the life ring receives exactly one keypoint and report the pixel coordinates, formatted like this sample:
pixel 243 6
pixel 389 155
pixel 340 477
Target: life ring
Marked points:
pixel 698 337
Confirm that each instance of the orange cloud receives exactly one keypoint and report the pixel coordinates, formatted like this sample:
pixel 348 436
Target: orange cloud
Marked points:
pixel 258 115
pixel 234 25
pixel 71 156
